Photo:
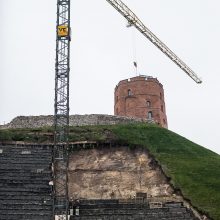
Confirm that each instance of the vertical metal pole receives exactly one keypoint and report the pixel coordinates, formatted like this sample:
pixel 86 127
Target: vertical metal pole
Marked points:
pixel 61 112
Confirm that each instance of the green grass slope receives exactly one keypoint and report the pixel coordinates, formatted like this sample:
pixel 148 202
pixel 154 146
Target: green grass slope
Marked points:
pixel 193 169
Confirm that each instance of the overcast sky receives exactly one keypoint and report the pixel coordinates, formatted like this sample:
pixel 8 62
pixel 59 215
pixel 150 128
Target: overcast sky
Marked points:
pixel 102 55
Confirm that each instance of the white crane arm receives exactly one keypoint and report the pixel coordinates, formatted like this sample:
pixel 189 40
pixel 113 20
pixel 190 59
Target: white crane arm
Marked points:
pixel 134 20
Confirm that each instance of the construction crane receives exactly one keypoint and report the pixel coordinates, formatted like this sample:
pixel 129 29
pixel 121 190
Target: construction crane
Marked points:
pixel 133 20
pixel 61 106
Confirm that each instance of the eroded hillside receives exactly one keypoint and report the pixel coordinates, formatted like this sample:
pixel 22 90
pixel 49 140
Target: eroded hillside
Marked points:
pixel 118 172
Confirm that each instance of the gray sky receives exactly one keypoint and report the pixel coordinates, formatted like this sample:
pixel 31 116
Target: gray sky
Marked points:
pixel 102 55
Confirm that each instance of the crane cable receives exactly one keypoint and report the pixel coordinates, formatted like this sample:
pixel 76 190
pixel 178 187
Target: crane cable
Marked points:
pixel 134 51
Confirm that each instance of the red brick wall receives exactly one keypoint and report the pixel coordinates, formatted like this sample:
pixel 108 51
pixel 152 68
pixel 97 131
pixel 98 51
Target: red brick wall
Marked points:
pixel 146 95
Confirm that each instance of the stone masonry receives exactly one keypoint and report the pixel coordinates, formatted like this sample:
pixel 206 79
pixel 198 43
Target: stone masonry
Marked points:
pixel 75 120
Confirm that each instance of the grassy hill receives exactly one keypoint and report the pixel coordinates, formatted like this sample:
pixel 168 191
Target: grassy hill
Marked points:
pixel 193 169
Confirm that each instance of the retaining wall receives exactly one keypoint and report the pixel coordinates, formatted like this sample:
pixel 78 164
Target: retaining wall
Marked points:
pixel 75 120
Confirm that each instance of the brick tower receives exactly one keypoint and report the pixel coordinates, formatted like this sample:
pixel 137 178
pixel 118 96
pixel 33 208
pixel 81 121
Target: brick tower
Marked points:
pixel 141 97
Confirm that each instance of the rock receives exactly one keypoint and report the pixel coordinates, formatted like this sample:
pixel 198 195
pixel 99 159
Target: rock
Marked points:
pixel 120 171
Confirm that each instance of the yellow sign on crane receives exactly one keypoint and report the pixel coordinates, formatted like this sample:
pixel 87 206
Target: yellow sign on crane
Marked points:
pixel 63 31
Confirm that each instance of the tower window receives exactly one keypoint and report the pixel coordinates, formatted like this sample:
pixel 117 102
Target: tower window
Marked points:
pixel 150 115
pixel 129 92
pixel 148 104
pixel 160 95
pixel 162 108
pixel 116 98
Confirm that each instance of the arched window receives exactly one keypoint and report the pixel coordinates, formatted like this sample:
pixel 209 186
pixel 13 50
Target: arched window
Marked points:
pixel 148 104
pixel 162 108
pixel 150 115
pixel 129 92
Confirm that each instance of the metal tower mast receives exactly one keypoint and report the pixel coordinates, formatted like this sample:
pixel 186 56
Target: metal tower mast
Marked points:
pixel 61 111
pixel 135 21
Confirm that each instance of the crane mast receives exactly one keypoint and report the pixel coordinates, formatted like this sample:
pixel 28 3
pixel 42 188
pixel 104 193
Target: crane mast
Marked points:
pixel 61 112
pixel 135 21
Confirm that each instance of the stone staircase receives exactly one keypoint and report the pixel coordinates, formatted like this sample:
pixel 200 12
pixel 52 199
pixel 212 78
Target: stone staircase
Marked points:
pixel 113 210
pixel 25 174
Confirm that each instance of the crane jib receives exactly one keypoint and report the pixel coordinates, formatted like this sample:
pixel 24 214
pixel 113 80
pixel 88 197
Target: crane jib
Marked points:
pixel 136 22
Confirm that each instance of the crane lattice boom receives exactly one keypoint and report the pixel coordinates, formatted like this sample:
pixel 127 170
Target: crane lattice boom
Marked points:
pixel 135 21
pixel 61 112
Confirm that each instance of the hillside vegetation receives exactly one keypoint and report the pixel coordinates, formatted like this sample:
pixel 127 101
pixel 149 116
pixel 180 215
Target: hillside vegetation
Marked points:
pixel 193 169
